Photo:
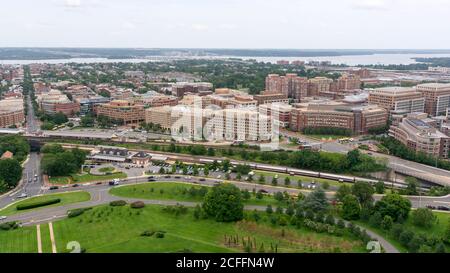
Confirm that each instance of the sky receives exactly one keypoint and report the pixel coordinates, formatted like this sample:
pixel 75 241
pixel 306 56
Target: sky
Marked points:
pixel 295 24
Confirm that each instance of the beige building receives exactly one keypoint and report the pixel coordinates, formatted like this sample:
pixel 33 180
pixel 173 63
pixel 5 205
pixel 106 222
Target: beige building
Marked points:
pixel 437 97
pixel 122 110
pixel 397 100
pixel 54 102
pixel 419 136
pixel 224 124
pixel 11 112
pixel 160 115
pixel 279 112
pixel 318 85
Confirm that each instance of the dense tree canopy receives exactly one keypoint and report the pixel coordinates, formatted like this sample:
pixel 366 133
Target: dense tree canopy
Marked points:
pixel 393 205
pixel 10 171
pixel 350 208
pixel 224 203
pixel 18 145
pixel 59 162
pixel 316 201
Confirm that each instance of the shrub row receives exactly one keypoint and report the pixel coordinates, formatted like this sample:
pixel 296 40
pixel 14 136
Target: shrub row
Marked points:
pixel 137 205
pixel 9 225
pixel 118 203
pixel 37 204
pixel 77 212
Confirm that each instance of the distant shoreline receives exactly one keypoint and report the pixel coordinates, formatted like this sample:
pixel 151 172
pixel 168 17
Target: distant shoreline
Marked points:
pixel 12 53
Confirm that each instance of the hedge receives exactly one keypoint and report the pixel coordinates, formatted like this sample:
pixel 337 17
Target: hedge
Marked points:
pixel 118 203
pixel 37 204
pixel 77 212
pixel 137 205
pixel 9 225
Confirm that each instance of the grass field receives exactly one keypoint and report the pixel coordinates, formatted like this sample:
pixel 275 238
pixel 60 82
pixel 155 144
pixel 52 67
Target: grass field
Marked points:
pixel 106 170
pixel 66 198
pixel 118 229
pixel 21 240
pixel 45 239
pixel 175 191
pixel 84 178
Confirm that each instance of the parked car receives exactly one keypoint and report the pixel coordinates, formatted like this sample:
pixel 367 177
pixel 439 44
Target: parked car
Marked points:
pixel 75 185
pixel 98 183
pixel 443 208
pixel 23 195
pixel 431 207
pixel 202 179
pixel 53 188
pixel 3 217
pixel 114 182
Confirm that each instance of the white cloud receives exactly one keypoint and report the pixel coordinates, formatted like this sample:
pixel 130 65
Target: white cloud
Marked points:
pixel 128 25
pixel 199 27
pixel 73 3
pixel 227 26
pixel 371 4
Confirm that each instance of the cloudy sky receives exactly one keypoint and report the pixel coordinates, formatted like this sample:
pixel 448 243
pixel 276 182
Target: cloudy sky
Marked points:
pixel 324 24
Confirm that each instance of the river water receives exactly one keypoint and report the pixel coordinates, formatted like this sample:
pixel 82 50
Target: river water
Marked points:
pixel 383 59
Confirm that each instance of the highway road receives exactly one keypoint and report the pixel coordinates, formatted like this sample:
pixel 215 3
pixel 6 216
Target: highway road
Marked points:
pixel 32 123
pixel 31 183
pixel 100 192
pixel 100 195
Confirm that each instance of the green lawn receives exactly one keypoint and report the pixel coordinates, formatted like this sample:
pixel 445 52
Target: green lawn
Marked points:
pixel 90 177
pixel 84 178
pixel 438 228
pixel 175 191
pixel 66 198
pixel 45 239
pixel 60 179
pixel 21 240
pixel 118 229
pixel 106 169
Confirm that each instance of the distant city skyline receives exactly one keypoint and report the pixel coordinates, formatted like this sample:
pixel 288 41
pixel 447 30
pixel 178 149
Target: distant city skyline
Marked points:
pixel 289 24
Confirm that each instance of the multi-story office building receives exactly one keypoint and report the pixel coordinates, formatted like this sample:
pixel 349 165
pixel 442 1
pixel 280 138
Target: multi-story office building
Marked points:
pixel 437 97
pixel 358 119
pixel 160 115
pixel 54 102
pixel 223 124
pixel 398 100
pixel 89 105
pixel 179 89
pixel 279 112
pixel 290 85
pixel 419 136
pixel 318 85
pixel 125 111
pixel 11 112
pixel 346 82
pixel 268 97
pixel 240 124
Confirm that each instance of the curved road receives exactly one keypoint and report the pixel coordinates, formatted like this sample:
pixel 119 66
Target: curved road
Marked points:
pixel 100 195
